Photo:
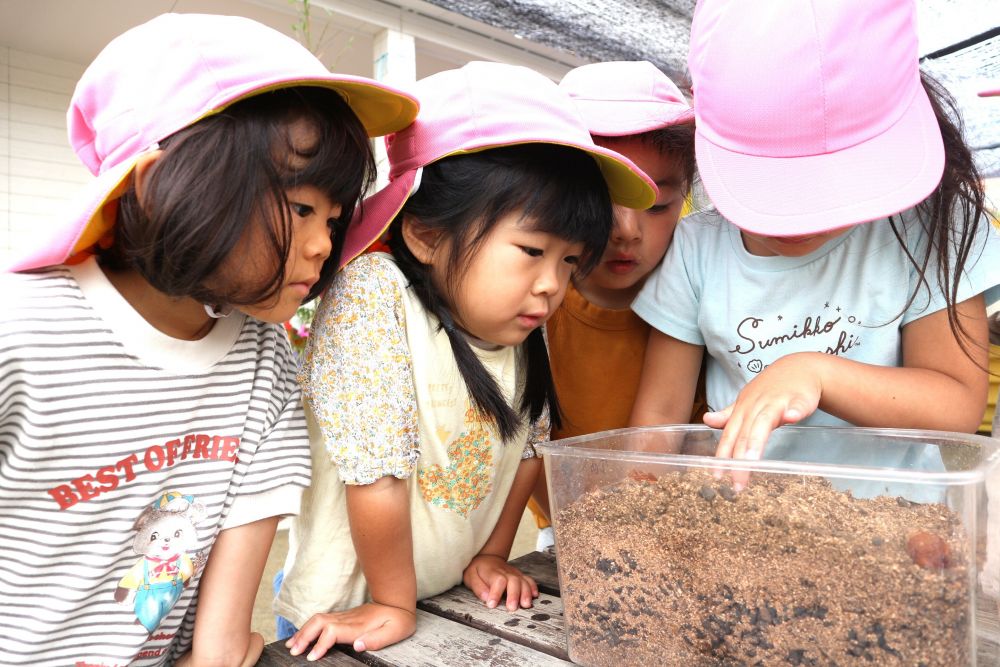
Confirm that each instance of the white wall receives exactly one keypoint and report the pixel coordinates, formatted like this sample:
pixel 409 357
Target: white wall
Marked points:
pixel 38 169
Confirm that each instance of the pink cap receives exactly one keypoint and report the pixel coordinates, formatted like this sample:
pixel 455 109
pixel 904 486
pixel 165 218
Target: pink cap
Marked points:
pixel 488 105
pixel 811 115
pixel 622 98
pixel 166 74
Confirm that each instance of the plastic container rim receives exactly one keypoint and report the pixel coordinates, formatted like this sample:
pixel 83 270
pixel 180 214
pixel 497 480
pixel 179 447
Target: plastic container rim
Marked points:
pixel 575 447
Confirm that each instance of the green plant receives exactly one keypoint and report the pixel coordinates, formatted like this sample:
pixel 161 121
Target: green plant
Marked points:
pixel 302 29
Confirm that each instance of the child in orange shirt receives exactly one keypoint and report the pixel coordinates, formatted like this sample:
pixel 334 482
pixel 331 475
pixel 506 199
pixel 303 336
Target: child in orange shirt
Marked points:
pixel 596 343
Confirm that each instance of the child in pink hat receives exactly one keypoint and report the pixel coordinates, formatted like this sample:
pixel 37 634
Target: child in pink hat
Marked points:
pixel 635 109
pixel 426 378
pixel 154 426
pixel 841 279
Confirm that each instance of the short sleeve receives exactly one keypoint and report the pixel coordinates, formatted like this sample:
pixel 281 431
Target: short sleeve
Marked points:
pixel 357 377
pixel 981 274
pixel 277 472
pixel 670 299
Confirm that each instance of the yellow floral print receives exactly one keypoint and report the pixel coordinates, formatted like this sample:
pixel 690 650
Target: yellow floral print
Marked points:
pixel 466 482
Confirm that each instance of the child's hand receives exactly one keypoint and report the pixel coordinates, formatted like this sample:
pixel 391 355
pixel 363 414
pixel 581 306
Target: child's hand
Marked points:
pixel 487 576
pixel 367 628
pixel 785 392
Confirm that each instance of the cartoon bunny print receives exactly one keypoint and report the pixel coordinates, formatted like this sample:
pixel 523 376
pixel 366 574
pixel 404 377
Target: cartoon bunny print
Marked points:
pixel 165 531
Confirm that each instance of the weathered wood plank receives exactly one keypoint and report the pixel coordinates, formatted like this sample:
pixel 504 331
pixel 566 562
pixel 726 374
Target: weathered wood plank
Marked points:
pixel 440 642
pixel 542 627
pixel 480 636
pixel 987 631
pixel 541 567
pixel 276 655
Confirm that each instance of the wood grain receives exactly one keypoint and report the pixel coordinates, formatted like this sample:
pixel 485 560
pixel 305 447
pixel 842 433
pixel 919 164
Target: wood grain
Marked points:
pixel 542 627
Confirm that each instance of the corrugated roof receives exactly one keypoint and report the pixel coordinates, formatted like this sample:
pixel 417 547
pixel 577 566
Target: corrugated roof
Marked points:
pixel 596 30
pixel 658 31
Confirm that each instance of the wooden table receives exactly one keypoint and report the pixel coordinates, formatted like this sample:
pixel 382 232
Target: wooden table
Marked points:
pixel 455 628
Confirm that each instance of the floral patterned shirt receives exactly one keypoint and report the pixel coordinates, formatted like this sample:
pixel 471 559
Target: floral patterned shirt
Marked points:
pixel 358 376
pixel 384 396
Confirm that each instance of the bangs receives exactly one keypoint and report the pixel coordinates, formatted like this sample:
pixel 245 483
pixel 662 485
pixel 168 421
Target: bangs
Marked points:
pixel 572 203
pixel 340 162
pixel 223 180
pixel 558 190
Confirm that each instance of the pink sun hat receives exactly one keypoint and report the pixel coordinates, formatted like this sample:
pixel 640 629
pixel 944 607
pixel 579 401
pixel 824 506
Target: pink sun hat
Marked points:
pixel 626 97
pixel 486 105
pixel 810 115
pixel 165 75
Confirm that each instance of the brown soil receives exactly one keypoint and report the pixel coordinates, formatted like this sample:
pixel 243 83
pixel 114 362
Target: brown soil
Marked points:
pixel 681 570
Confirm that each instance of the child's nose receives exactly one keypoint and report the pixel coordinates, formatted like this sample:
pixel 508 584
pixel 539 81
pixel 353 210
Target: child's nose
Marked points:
pixel 626 225
pixel 318 243
pixel 547 281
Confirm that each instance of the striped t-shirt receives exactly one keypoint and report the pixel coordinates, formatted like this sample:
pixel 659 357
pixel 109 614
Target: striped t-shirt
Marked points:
pixel 123 453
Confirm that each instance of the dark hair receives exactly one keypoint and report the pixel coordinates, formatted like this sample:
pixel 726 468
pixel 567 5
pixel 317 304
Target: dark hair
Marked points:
pixel 951 215
pixel 226 176
pixel 674 142
pixel 558 190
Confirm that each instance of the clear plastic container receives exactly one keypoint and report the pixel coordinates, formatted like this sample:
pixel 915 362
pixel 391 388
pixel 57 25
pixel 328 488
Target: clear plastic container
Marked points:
pixel 847 546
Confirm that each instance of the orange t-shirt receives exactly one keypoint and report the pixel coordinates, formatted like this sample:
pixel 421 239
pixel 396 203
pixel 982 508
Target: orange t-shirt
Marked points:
pixel 596 356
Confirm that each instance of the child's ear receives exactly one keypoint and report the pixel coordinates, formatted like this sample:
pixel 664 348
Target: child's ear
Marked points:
pixel 142 170
pixel 420 239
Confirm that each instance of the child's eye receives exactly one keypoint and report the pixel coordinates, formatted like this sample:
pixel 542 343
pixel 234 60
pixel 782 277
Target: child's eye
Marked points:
pixel 571 259
pixel 531 252
pixel 656 209
pixel 301 210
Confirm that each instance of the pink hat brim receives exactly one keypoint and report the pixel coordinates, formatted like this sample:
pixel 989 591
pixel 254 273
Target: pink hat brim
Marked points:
pixel 54 244
pixel 628 186
pixel 806 195
pixel 619 118
pixel 373 215
pixel 380 108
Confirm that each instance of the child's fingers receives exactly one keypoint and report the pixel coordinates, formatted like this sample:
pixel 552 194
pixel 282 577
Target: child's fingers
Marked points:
pixel 327 638
pixel 532 585
pixel 744 444
pixel 529 591
pixel 758 430
pixel 475 583
pixel 727 441
pixel 384 635
pixel 733 444
pixel 514 588
pixel 300 641
pixel 718 418
pixel 795 412
pixel 496 591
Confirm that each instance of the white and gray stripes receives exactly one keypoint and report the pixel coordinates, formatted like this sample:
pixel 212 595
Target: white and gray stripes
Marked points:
pixel 90 436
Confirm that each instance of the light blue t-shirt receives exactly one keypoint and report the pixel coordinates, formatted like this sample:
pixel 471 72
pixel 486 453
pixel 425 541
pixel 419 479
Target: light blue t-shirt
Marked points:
pixel 847 298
